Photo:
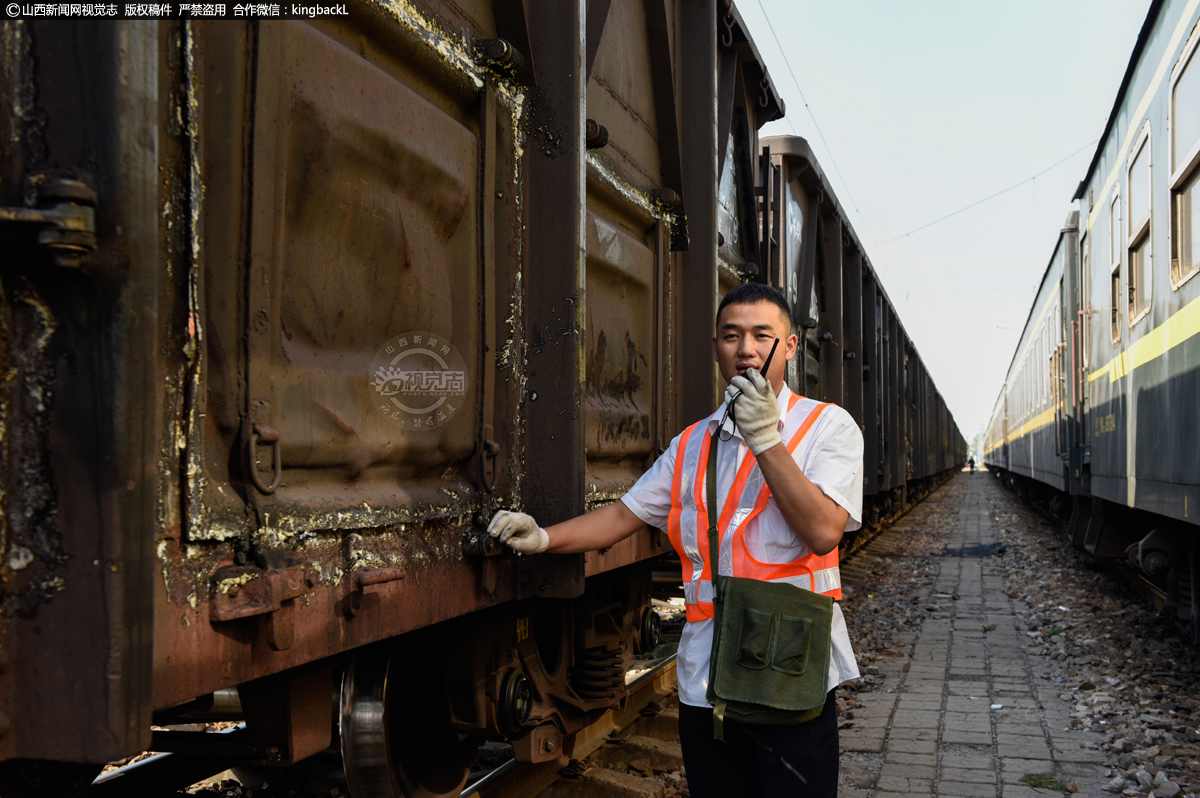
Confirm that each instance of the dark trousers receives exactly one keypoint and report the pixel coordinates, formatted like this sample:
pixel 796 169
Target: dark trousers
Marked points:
pixel 760 761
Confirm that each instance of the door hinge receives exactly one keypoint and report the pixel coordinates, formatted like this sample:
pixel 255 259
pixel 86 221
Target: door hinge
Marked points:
pixel 66 217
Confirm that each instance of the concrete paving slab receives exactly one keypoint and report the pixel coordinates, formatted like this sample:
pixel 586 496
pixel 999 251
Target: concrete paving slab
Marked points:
pixel 961 762
pixel 913 747
pixel 904 758
pixel 966 789
pixel 969 776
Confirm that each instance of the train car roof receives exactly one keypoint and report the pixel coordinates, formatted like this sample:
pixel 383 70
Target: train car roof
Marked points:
pixel 1143 38
pixel 1070 225
pixel 813 175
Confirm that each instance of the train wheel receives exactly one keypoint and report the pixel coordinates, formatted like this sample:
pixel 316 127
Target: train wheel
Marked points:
pixel 43 778
pixel 395 730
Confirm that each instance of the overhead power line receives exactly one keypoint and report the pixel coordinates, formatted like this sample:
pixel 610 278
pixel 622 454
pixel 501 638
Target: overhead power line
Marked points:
pixel 993 196
pixel 813 117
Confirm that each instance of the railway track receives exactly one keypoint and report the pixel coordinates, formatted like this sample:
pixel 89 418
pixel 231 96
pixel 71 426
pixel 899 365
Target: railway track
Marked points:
pixel 1119 568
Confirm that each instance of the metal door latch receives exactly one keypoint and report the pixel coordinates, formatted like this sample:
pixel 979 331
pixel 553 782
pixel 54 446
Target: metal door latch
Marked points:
pixel 67 217
pixel 485 453
pixel 265 434
pixel 477 543
pixel 244 591
pixel 356 601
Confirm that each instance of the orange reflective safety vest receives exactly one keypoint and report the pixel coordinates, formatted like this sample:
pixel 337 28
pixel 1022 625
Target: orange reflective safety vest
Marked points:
pixel 687 524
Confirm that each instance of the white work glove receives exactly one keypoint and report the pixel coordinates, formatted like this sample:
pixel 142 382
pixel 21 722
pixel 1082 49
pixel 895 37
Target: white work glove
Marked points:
pixel 757 411
pixel 519 531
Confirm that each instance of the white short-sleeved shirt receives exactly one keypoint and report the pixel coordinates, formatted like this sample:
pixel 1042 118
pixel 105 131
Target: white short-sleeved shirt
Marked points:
pixel 831 456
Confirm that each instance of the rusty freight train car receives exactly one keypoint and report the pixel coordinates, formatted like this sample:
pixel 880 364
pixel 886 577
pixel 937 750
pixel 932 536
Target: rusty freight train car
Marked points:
pixel 855 351
pixel 290 307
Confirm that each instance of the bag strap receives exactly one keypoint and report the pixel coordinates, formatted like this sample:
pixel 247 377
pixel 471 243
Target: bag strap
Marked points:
pixel 714 566
pixel 710 485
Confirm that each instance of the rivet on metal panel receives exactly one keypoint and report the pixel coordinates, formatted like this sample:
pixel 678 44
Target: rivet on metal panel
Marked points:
pixel 597 135
pixel 665 197
pixel 501 52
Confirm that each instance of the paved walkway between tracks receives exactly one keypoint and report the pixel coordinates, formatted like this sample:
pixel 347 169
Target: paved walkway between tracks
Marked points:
pixel 964 712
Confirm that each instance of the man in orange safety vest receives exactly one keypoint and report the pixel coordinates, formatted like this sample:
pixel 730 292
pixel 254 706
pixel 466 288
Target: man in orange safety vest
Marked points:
pixel 789 484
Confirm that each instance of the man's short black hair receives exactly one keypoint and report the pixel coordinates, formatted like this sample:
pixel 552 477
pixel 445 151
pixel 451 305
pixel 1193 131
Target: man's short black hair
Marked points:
pixel 751 293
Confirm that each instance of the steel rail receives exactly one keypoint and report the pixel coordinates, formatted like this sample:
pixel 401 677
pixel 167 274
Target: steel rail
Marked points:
pixel 160 774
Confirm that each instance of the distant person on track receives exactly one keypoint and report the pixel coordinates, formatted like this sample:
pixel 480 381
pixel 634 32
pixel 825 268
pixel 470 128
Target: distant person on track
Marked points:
pixel 971 463
pixel 812 495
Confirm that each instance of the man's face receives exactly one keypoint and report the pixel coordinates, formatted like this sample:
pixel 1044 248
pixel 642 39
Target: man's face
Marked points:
pixel 745 334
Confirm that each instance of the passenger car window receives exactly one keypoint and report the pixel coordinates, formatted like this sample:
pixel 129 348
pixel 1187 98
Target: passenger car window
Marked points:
pixel 1184 123
pixel 1140 259
pixel 1114 241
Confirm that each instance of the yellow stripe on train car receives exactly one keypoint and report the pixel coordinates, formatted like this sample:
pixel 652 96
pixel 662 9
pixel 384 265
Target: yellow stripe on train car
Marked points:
pixel 1037 422
pixel 1154 344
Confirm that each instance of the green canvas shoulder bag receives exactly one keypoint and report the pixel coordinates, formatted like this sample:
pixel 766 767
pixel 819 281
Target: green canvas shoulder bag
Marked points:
pixel 770 649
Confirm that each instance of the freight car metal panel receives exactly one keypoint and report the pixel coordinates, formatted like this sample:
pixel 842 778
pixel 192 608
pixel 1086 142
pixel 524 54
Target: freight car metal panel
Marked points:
pixel 346 316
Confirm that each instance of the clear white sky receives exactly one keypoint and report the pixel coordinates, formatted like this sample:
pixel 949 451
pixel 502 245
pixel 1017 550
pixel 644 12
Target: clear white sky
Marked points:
pixel 929 106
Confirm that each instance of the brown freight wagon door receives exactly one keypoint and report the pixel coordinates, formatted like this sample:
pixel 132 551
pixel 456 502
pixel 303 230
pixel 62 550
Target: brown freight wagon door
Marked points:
pixel 624 373
pixel 629 373
pixel 369 309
